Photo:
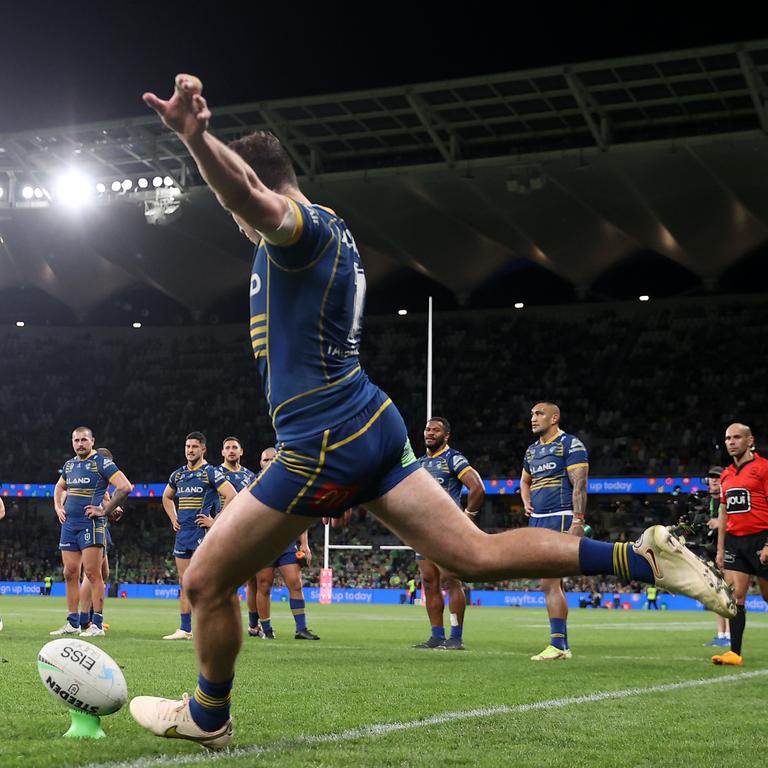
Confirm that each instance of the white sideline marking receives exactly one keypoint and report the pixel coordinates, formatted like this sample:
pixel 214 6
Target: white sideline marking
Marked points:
pixel 382 729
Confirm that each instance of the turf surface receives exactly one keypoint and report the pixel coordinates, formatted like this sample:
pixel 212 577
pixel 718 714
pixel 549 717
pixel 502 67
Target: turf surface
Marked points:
pixel 640 690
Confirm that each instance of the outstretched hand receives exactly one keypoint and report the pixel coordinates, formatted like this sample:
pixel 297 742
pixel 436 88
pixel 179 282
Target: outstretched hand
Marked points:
pixel 186 112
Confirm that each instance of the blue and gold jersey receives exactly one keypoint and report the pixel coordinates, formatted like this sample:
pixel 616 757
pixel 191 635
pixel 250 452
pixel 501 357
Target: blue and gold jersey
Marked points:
pixel 447 466
pixel 548 464
pixel 196 492
pixel 86 481
pixel 307 300
pixel 240 478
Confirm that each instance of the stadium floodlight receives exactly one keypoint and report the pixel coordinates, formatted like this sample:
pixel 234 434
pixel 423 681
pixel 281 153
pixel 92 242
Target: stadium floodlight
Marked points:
pixel 157 181
pixel 116 186
pixel 27 193
pixel 2 192
pixel 519 305
pixel 137 325
pixel 38 193
pixel 101 188
pixel 644 298
pixel 143 183
pixel 126 185
pixel 402 312
pixel 20 323
pixel 73 189
pixel 168 181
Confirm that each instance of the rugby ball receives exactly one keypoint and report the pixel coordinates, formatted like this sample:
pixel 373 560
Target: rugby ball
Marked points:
pixel 82 676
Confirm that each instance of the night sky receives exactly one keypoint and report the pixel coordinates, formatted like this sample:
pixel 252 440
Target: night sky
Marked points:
pixel 72 62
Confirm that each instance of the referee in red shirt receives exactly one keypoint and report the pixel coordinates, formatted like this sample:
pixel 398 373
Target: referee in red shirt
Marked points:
pixel 742 534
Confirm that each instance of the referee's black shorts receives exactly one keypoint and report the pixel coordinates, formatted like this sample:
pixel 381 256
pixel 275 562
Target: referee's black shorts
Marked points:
pixel 742 553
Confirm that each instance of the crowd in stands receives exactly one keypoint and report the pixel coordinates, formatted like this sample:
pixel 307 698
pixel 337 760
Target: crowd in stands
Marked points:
pixel 644 385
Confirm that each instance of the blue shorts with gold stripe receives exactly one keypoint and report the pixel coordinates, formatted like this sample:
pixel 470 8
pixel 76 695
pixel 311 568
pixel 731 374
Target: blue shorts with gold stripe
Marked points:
pixel 187 541
pixel 287 558
pixel 560 523
pixel 76 537
pixel 325 474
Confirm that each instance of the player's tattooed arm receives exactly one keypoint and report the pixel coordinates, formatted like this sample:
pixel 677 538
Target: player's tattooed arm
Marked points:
pixel 578 477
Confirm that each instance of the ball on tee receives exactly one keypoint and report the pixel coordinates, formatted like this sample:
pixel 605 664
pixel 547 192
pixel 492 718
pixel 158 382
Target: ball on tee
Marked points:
pixel 82 676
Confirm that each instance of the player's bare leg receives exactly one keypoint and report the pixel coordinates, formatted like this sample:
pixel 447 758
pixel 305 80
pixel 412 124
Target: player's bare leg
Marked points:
pixel 291 573
pixel 72 562
pixel 420 513
pixel 434 602
pixel 264 579
pixel 740 584
pixel 249 536
pixel 182 564
pixel 92 564
pixel 457 606
pixel 251 601
pixel 557 612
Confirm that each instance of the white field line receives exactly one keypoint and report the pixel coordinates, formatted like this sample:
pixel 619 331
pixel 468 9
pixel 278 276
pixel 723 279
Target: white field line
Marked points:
pixel 382 729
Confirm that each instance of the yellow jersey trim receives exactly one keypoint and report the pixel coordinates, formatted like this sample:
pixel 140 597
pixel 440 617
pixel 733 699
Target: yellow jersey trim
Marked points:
pixel 363 429
pixel 315 473
pixel 577 466
pixel 313 391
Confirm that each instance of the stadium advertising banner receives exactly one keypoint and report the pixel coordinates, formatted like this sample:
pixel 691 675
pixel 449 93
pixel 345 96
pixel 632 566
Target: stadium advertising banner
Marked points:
pixel 487 598
pixel 597 485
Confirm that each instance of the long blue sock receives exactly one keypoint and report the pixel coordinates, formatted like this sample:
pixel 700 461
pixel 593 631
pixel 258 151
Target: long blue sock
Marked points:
pixel 98 620
pixel 557 633
pixel 209 706
pixel 299 614
pixel 253 619
pixel 84 619
pixel 457 631
pixel 601 557
pixel 186 622
pixel 266 625
pixel 438 632
pixel 73 619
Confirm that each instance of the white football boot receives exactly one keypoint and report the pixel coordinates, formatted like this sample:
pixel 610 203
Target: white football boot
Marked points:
pixel 678 570
pixel 179 634
pixel 67 629
pixel 93 631
pixel 173 720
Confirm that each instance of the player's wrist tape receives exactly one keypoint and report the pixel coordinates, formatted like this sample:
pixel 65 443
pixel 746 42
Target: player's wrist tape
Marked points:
pixel 471 513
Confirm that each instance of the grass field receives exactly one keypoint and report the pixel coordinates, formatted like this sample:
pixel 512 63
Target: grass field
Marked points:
pixel 639 691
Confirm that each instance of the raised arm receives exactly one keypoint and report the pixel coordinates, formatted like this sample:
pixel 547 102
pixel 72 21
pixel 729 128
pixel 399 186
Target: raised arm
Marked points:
pixel 235 184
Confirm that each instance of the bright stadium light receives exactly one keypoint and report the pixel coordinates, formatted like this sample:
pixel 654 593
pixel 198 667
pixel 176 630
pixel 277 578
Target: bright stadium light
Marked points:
pixel 116 186
pixel 27 193
pixel 38 193
pixel 20 323
pixel 2 192
pixel 402 312
pixel 168 181
pixel 127 184
pixel 644 298
pixel 519 305
pixel 137 325
pixel 157 182
pixel 143 183
pixel 101 188
pixel 73 189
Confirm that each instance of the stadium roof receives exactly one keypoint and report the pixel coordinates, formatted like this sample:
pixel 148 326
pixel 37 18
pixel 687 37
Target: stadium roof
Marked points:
pixel 650 168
